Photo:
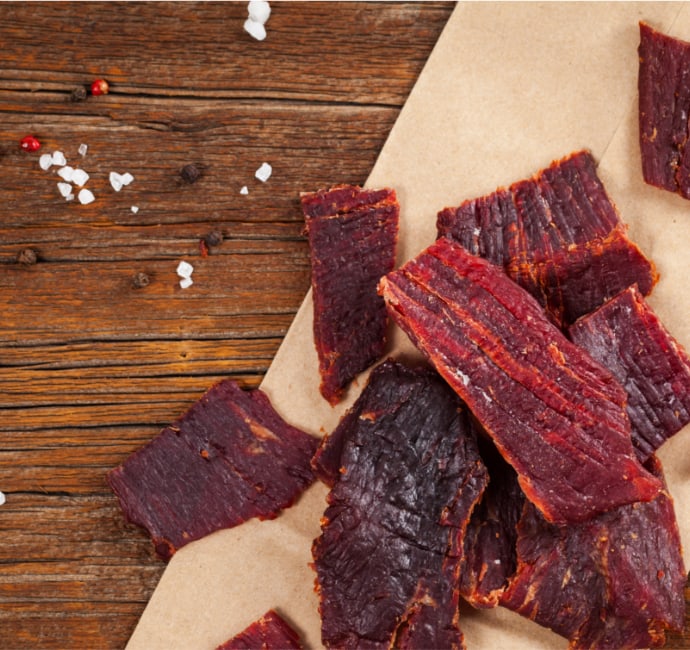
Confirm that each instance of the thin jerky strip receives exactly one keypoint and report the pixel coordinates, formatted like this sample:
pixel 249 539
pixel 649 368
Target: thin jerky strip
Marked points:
pixel 388 557
pixel 613 582
pixel 557 234
pixel 352 236
pixel 627 337
pixel 664 104
pixel 228 459
pixel 556 415
pixel 270 632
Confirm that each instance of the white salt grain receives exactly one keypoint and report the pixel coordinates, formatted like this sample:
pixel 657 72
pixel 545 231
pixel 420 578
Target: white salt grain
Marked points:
pixel 45 161
pixel 2 499
pixel 259 11
pixel 65 189
pixel 59 158
pixel 85 196
pixel 185 283
pixel 79 177
pixel 115 181
pixel 184 269
pixel 135 209
pixel 126 178
pixel 257 30
pixel 66 173
pixel 244 190
pixel 83 148
pixel 264 172
pixel 70 197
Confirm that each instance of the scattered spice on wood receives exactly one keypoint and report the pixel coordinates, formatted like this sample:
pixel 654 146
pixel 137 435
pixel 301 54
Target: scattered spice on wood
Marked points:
pixel 270 632
pixel 27 256
pixel 141 280
pixel 190 173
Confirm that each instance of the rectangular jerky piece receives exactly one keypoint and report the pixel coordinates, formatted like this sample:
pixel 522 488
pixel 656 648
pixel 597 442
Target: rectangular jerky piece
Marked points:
pixel 664 104
pixel 388 557
pixel 353 234
pixel 270 632
pixel 627 337
pixel 229 458
pixel 556 415
pixel 613 582
pixel 557 234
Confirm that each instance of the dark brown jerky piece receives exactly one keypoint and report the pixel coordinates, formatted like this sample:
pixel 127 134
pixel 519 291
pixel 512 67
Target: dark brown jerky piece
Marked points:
pixel 556 415
pixel 558 235
pixel 490 556
pixel 270 632
pixel 388 557
pixel 613 582
pixel 627 337
pixel 664 105
pixel 229 458
pixel 352 236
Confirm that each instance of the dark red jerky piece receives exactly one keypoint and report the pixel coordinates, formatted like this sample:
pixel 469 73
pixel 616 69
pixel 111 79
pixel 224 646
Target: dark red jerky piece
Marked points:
pixel 490 556
pixel 627 337
pixel 664 105
pixel 557 234
pixel 388 557
pixel 556 415
pixel 228 459
pixel 352 236
pixel 270 632
pixel 613 582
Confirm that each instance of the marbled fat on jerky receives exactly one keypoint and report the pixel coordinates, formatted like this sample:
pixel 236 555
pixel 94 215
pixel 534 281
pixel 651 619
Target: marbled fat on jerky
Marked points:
pixel 352 237
pixel 557 234
pixel 228 459
pixel 556 415
pixel 270 632
pixel 664 105
pixel 627 337
pixel 388 557
pixel 615 581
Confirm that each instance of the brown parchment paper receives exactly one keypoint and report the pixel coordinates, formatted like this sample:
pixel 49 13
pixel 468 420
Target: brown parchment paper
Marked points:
pixel 508 88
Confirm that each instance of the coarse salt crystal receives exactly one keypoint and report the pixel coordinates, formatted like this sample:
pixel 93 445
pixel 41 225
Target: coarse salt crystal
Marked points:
pixel 257 30
pixel 126 178
pixel 66 173
pixel 2 499
pixel 185 283
pixel 85 196
pixel 45 161
pixel 259 11
pixel 264 172
pixel 59 158
pixel 79 177
pixel 115 181
pixel 83 148
pixel 184 269
pixel 135 209
pixel 70 197
pixel 244 190
pixel 65 189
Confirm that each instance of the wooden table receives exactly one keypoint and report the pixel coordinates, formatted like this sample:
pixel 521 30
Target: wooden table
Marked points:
pixel 100 347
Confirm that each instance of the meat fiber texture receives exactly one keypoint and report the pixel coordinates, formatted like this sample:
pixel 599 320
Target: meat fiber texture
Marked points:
pixel 228 459
pixel 613 582
pixel 353 235
pixel 627 337
pixel 558 235
pixel 270 632
pixel 388 558
pixel 555 414
pixel 664 105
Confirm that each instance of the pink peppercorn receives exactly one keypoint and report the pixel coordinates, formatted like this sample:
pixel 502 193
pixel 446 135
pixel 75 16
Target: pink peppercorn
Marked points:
pixel 100 87
pixel 30 143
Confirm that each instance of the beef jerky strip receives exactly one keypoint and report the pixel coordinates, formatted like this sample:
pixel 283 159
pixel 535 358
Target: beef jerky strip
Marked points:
pixel 664 104
pixel 556 415
pixel 557 234
pixel 270 632
pixel 627 337
pixel 229 458
pixel 613 582
pixel 352 236
pixel 388 557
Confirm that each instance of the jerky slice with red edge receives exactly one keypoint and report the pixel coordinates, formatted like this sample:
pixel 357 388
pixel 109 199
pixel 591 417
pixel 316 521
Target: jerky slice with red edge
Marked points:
pixel 353 234
pixel 613 582
pixel 270 632
pixel 627 337
pixel 557 234
pixel 228 459
pixel 556 415
pixel 664 104
pixel 388 557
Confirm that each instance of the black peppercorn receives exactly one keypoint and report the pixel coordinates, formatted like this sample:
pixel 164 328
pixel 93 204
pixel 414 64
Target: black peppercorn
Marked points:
pixel 190 173
pixel 27 256
pixel 78 94
pixel 214 238
pixel 141 280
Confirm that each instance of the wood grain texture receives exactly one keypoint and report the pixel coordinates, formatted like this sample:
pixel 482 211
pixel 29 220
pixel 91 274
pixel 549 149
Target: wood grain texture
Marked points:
pixel 91 365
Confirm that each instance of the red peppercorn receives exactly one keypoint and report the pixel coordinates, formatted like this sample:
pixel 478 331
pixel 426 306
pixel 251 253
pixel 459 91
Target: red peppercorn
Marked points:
pixel 100 87
pixel 30 143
